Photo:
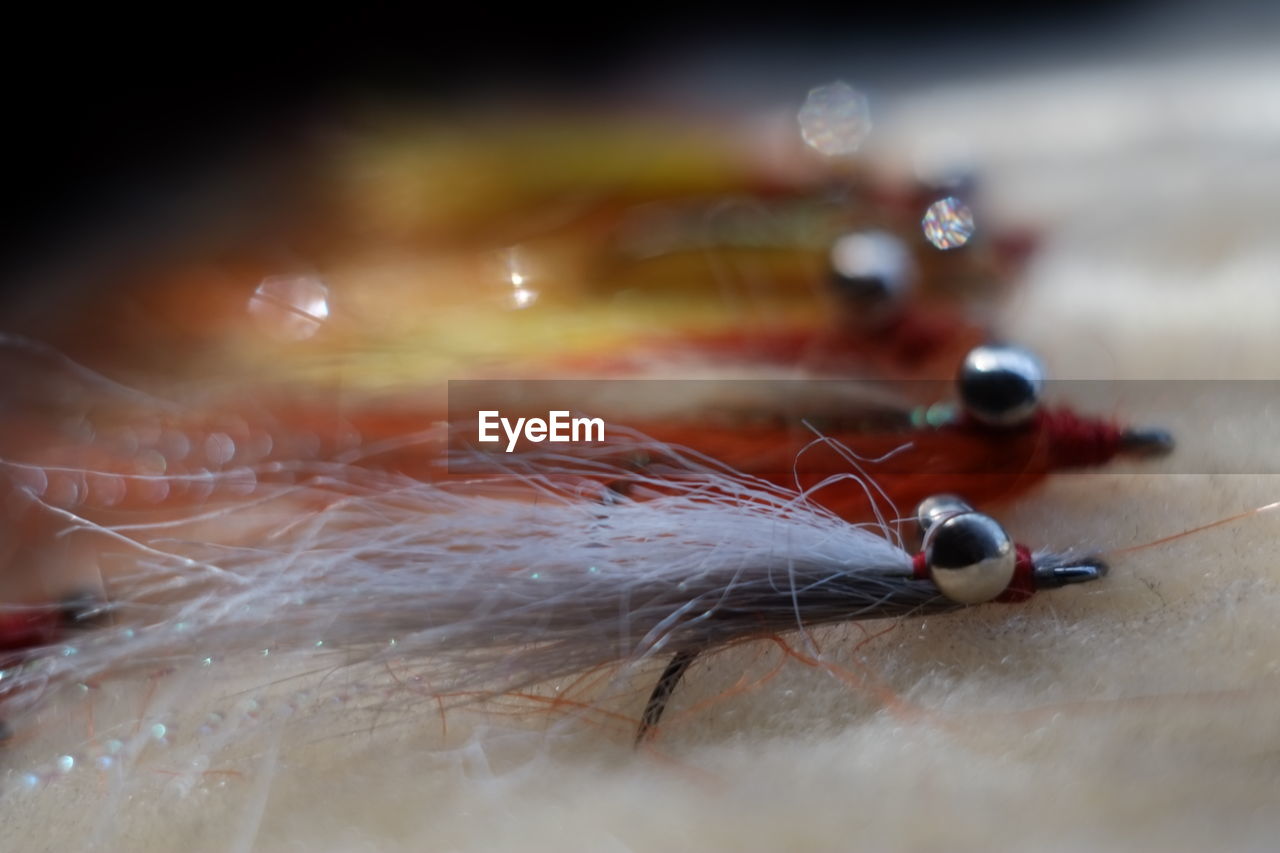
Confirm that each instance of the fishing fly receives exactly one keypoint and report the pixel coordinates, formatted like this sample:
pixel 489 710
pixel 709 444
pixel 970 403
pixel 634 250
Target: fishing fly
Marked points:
pixel 498 584
pixel 994 439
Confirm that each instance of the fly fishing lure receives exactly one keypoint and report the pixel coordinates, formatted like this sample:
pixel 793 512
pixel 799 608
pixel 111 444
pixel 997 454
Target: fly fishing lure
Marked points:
pixel 877 323
pixel 999 439
pixel 822 307
pixel 497 585
pixel 876 328
pixel 150 456
pixel 966 559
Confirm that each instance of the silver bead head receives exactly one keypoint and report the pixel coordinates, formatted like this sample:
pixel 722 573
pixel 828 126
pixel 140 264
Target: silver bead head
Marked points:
pixel 873 270
pixel 970 557
pixel 1001 385
pixel 938 508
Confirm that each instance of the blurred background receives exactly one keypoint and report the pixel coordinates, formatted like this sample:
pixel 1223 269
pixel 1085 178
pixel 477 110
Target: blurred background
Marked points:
pixel 138 146
pixel 112 118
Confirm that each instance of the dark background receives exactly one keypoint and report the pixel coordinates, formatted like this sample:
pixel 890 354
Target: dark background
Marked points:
pixel 100 105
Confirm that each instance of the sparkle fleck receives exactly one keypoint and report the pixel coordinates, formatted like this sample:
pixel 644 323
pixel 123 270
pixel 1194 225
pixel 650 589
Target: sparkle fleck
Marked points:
pixel 936 415
pixel 835 119
pixel 219 449
pixel 523 297
pixel 290 307
pixel 65 763
pixel 948 223
pixel 159 730
pixel 151 462
pixel 940 414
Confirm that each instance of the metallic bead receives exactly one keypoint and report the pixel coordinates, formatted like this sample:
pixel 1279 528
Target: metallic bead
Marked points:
pixel 872 272
pixel 1001 385
pixel 937 508
pixel 970 558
